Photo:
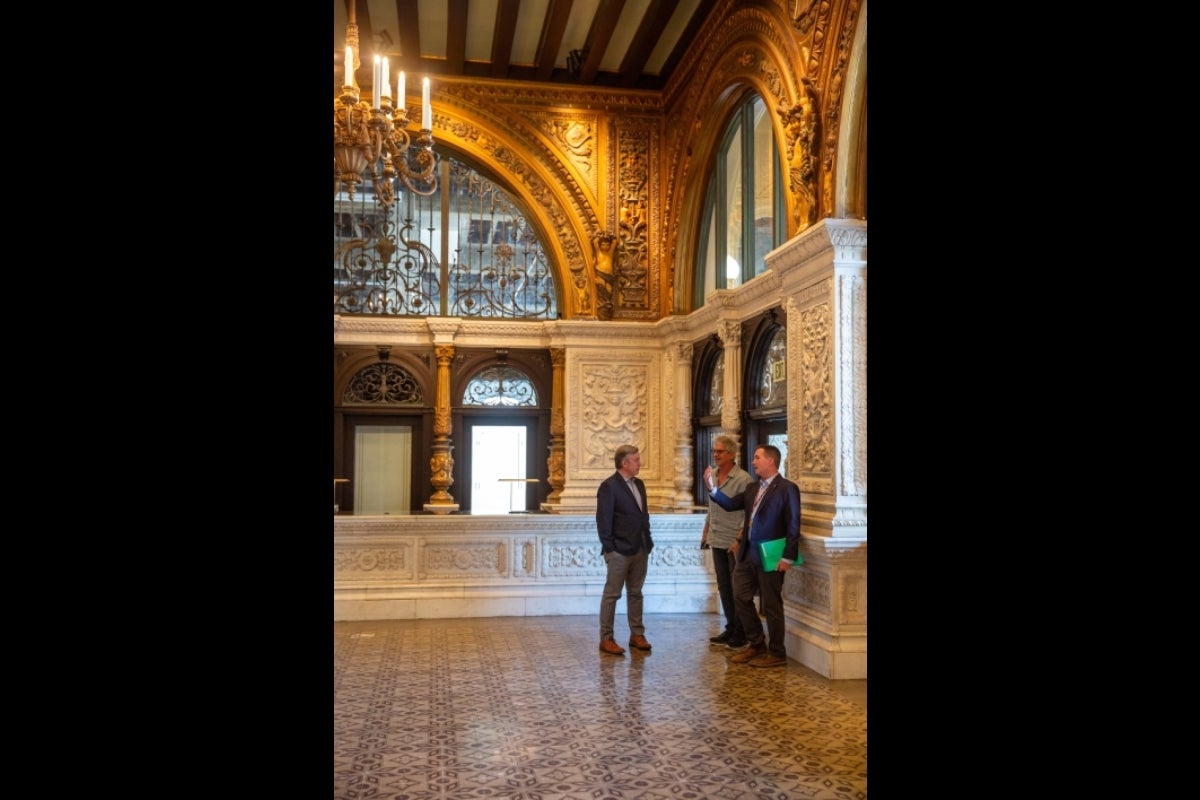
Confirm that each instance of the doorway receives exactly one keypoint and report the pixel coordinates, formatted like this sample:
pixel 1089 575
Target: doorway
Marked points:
pixel 382 478
pixel 498 465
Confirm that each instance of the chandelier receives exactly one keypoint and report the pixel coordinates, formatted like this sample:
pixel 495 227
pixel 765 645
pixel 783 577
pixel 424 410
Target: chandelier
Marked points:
pixel 374 137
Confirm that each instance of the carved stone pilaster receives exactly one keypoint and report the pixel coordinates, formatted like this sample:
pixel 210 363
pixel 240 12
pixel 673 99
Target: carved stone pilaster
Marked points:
pixel 730 334
pixel 681 354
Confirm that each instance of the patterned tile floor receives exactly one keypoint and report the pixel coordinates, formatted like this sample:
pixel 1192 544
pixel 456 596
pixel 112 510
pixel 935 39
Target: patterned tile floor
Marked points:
pixel 526 707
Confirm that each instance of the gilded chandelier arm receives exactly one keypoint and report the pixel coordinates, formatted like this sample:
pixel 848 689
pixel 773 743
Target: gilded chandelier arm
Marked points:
pixel 377 139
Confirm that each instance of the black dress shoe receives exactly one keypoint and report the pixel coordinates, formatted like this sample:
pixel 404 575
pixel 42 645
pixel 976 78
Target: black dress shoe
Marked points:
pixel 722 639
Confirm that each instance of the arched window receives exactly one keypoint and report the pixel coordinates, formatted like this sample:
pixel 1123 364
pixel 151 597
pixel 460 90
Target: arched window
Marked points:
pixel 744 215
pixel 474 255
pixel 500 386
pixel 382 384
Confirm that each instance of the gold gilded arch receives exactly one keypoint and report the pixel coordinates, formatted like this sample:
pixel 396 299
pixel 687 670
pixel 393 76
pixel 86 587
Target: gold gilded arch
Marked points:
pixel 784 54
pixel 551 156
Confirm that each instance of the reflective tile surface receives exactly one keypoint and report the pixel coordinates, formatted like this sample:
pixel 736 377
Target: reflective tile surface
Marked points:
pixel 527 707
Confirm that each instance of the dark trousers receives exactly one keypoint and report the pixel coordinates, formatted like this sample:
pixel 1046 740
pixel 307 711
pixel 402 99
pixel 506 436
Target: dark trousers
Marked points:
pixel 723 567
pixel 749 578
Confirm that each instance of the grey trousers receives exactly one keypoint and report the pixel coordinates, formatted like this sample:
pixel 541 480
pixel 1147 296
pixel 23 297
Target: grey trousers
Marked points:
pixel 628 572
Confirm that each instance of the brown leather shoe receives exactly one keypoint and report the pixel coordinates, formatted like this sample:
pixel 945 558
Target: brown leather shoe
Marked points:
pixel 612 648
pixel 639 642
pixel 768 660
pixel 751 652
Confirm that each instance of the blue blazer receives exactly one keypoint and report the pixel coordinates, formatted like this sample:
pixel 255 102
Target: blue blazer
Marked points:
pixel 778 517
pixel 622 525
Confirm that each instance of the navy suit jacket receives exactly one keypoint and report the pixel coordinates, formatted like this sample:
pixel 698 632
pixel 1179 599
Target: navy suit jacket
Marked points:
pixel 778 516
pixel 621 524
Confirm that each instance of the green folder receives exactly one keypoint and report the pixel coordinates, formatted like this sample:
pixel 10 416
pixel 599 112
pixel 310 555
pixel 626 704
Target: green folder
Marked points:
pixel 769 552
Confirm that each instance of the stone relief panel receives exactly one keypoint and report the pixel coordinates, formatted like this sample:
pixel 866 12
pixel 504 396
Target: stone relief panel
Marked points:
pixel 810 590
pixel 610 402
pixel 853 606
pixel 462 559
pixel 570 557
pixel 392 561
pixel 677 554
pixel 816 369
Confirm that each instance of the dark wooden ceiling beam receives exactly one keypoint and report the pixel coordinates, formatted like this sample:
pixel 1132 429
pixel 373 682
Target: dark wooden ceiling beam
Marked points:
pixel 552 36
pixel 600 34
pixel 410 35
pixel 456 36
pixel 502 42
pixel 658 13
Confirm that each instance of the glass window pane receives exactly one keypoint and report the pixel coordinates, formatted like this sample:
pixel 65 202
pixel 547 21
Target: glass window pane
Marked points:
pixel 772 387
pixel 716 389
pixel 733 207
pixel 763 190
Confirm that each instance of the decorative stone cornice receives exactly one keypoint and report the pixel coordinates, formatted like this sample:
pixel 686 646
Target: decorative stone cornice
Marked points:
pixel 443 328
pixel 393 326
pixel 846 238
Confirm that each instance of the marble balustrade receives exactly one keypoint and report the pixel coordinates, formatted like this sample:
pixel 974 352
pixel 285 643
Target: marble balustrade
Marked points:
pixel 453 566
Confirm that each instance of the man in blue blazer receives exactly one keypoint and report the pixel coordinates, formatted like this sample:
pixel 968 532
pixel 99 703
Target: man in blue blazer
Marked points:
pixel 623 522
pixel 772 508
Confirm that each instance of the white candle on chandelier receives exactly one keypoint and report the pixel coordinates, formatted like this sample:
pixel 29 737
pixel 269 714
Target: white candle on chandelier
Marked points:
pixel 375 83
pixel 426 110
pixel 349 67
pixel 400 92
pixel 386 81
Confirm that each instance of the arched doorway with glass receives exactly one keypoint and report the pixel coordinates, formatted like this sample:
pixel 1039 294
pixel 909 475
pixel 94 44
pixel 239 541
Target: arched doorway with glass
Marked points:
pixel 382 416
pixel 505 431
pixel 765 387
pixel 708 400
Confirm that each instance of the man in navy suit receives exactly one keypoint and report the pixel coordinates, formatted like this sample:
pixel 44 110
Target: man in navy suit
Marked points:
pixel 623 522
pixel 772 508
